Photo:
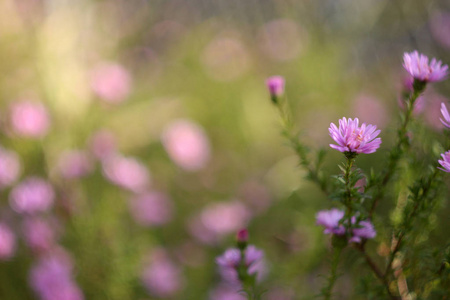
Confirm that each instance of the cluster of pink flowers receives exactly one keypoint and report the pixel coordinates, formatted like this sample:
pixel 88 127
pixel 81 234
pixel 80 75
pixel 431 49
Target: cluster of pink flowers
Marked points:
pixel 331 220
pixel 231 259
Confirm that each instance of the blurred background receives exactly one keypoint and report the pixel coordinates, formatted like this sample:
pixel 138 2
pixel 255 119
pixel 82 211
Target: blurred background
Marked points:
pixel 138 136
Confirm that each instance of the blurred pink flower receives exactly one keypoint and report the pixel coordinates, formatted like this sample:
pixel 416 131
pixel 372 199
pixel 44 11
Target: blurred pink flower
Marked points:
pixel 127 173
pixel 161 276
pixel 275 85
pixel 364 230
pixel 29 119
pixel 352 138
pixel 7 242
pixel 445 115
pixel 230 260
pixel 9 167
pixel 39 234
pixel 32 195
pixel 111 82
pixel 445 162
pixel 433 110
pixel 151 209
pixel 440 24
pixel 226 292
pixel 418 67
pixel 75 164
pixel 187 144
pixel 102 144
pixel 225 217
pixel 51 278
pixel 370 109
pixel 330 220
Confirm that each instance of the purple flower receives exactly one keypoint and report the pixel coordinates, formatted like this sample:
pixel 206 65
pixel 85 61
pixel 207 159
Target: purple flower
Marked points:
pixel 445 162
pixel 187 145
pixel 151 209
pixel 7 242
pixel 330 220
pixel 32 195
pixel 446 115
pixel 230 260
pixel 364 230
pixel 9 167
pixel 417 65
pixel 111 82
pixel 275 85
pixel 39 234
pixel 161 276
pixel 127 173
pixel 102 144
pixel 30 119
pixel 51 278
pixel 352 138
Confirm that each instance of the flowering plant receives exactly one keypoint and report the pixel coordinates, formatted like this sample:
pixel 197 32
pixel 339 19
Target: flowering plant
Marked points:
pixel 355 224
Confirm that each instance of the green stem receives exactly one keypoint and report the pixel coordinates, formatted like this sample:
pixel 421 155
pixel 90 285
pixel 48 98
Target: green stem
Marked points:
pixel 327 291
pixel 397 152
pixel 299 148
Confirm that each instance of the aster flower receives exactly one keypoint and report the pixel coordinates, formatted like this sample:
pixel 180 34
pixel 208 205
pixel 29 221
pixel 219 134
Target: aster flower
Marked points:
pixel 445 162
pixel 364 230
pixel 352 138
pixel 29 119
pixel 420 69
pixel 330 220
pixel 446 115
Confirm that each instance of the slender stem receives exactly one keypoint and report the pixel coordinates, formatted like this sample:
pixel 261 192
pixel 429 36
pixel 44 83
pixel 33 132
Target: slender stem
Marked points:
pixel 327 291
pixel 299 148
pixel 397 152
pixel 425 190
pixel 376 271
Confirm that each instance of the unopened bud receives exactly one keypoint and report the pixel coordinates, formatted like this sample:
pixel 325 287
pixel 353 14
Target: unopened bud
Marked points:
pixel 242 238
pixel 275 85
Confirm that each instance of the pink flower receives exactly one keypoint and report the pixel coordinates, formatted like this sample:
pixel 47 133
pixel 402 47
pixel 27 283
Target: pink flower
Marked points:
pixel 127 173
pixel 417 65
pixel 9 167
pixel 162 277
pixel 231 259
pixel 352 138
pixel 364 230
pixel 445 115
pixel 226 217
pixel 32 195
pixel 275 85
pixel 51 278
pixel 75 164
pixel 445 162
pixel 330 220
pixel 187 145
pixel 39 234
pixel 151 209
pixel 226 292
pixel 29 119
pixel 111 82
pixel 7 242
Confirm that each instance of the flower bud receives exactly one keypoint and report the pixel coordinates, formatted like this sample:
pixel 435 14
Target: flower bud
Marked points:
pixel 275 85
pixel 242 238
